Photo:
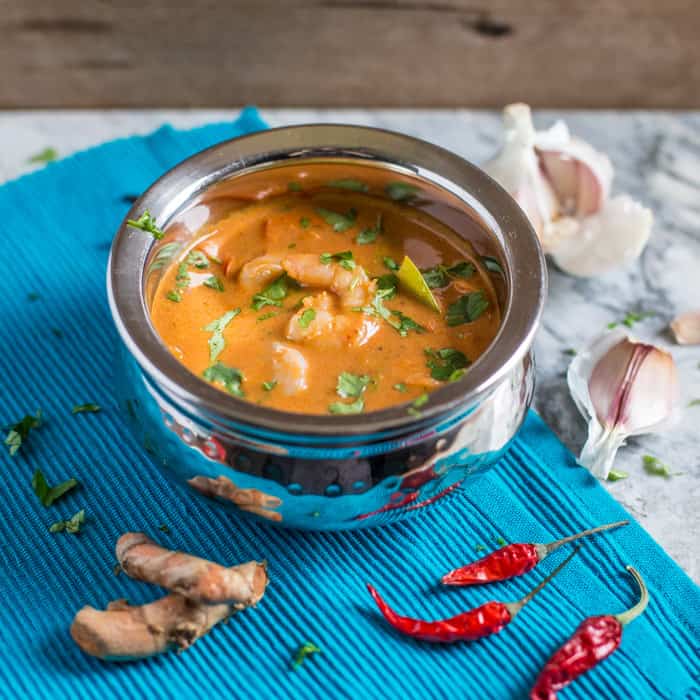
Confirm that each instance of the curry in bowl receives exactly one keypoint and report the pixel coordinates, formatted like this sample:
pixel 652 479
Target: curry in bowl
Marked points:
pixel 326 293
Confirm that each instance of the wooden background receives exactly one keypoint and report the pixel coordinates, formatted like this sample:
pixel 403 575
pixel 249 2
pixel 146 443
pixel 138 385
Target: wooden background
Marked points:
pixel 418 53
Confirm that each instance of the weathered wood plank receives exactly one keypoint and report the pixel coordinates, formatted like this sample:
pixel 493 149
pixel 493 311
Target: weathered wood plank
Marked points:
pixel 483 53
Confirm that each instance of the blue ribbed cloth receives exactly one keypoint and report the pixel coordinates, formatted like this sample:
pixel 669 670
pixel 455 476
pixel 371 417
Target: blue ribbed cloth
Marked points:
pixel 56 351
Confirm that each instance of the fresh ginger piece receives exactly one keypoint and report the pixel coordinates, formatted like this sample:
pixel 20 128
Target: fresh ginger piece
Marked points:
pixel 196 579
pixel 124 632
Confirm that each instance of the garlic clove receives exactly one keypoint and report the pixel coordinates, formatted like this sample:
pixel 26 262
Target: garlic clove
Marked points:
pixel 563 186
pixel 686 328
pixel 623 387
pixel 597 244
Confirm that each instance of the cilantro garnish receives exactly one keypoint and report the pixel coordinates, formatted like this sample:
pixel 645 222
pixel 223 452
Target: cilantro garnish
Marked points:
pixel 467 308
pixel 350 386
pixel 369 235
pixel 390 263
pixel 273 294
pixel 655 467
pixel 339 222
pixel 400 191
pixel 404 324
pixel 307 315
pixel 229 377
pixel 388 283
pixel 269 386
pixel 48 494
pixel 216 328
pixel 46 156
pixel 198 259
pixel 214 282
pixel 632 317
pixel 306 649
pixel 305 222
pixel 71 526
pixel 146 223
pixel 174 295
pixel 340 408
pixel 182 279
pixel 418 402
pixel 294 186
pixel 344 259
pixel 349 184
pixel 85 408
pixel 401 387
pixel 446 364
pixel 617 475
pixel 18 433
pixel 396 319
pixel 264 317
pixel 491 264
pixel 439 276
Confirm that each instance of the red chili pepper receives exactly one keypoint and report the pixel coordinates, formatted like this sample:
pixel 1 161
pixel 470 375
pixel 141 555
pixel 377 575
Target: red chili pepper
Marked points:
pixel 513 560
pixel 594 640
pixel 483 621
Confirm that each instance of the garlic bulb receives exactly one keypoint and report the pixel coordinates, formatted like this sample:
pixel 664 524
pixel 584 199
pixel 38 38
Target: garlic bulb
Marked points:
pixel 563 185
pixel 623 387
pixel 686 328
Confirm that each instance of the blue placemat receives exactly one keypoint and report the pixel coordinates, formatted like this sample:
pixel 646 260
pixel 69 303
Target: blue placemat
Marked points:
pixel 56 351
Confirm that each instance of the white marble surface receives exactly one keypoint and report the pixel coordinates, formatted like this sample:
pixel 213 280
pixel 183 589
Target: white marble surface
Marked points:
pixel 657 159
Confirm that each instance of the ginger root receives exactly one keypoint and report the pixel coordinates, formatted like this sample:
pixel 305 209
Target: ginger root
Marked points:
pixel 196 579
pixel 124 632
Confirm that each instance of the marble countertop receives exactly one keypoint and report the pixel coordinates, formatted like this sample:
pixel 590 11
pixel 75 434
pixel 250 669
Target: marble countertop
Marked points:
pixel 657 160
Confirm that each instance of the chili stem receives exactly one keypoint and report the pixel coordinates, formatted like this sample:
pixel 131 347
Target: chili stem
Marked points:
pixel 549 548
pixel 636 610
pixel 515 607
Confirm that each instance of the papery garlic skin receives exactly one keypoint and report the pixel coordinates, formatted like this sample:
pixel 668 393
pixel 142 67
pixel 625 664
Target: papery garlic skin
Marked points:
pixel 623 387
pixel 686 328
pixel 563 185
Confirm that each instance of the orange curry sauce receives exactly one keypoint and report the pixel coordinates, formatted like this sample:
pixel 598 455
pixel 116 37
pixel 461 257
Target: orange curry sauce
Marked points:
pixel 328 337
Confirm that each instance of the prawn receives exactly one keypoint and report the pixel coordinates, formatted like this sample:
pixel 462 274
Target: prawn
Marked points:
pixel 258 271
pixel 353 287
pixel 290 368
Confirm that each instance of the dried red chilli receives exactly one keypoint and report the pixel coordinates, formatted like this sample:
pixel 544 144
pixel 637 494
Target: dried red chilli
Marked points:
pixel 513 560
pixel 594 640
pixel 483 621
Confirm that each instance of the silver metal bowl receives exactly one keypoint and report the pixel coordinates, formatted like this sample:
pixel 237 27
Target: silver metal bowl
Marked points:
pixel 310 471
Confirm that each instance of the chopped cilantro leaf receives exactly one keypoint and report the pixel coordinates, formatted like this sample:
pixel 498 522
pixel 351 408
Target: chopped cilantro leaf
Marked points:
pixel 197 259
pixel 48 494
pixel 401 387
pixel 306 649
pixel 617 475
pixel 340 408
pixel 349 184
pixel 404 324
pixel 264 317
pixel 273 294
pixel 214 282
pixel 229 377
pixel 174 295
pixel 71 526
pixel 146 223
pixel 439 276
pixel 85 408
pixel 388 283
pixel 446 364
pixel 216 328
pixel 18 433
pixel 182 279
pixel 294 186
pixel 467 308
pixel 632 317
pixel 418 402
pixel 655 467
pixel 491 264
pixel 339 222
pixel 46 156
pixel 305 222
pixel 350 386
pixel 369 235
pixel 390 263
pixel 344 259
pixel 396 319
pixel 400 191
pixel 307 315
pixel 269 386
